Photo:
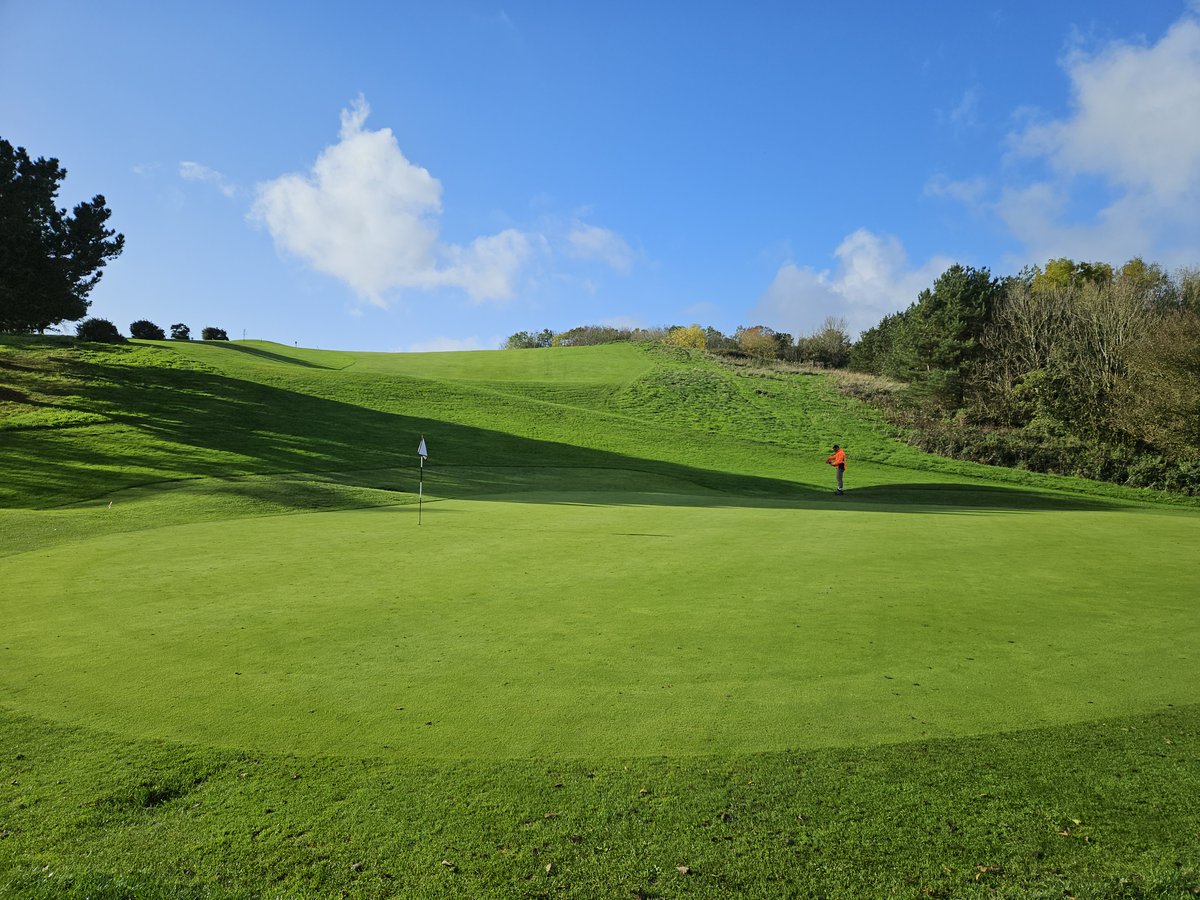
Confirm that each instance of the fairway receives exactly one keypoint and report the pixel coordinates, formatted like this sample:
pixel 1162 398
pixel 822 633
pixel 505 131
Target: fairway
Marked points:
pixel 606 624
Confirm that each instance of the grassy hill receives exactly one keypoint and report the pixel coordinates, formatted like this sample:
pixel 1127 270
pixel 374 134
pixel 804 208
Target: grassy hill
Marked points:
pixel 633 631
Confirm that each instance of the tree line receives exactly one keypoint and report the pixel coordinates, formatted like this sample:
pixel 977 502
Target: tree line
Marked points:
pixel 828 346
pixel 1076 367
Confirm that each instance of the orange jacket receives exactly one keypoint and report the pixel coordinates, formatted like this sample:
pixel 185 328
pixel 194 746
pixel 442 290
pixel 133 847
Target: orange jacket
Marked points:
pixel 838 458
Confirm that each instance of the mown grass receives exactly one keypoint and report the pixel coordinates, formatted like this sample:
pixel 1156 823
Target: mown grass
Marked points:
pixel 1102 810
pixel 642 632
pixel 501 629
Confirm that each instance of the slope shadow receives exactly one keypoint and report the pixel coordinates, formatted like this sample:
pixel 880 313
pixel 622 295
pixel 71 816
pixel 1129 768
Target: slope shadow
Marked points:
pixel 267 354
pixel 185 423
pixel 933 496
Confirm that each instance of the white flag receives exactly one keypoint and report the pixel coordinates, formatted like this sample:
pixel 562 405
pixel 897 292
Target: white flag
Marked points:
pixel 421 451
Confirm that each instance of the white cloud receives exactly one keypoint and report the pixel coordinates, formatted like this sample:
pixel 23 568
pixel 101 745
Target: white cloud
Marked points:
pixel 968 191
pixel 1135 118
pixel 368 216
pixel 1134 125
pixel 194 171
pixel 593 242
pixel 872 278
pixel 965 115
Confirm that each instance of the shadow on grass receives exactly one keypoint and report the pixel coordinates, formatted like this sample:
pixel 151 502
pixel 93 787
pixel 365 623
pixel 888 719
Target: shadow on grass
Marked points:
pixel 268 355
pixel 933 497
pixel 176 424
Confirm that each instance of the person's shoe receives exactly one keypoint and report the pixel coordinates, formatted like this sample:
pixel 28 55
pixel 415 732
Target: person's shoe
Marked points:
pixel 839 493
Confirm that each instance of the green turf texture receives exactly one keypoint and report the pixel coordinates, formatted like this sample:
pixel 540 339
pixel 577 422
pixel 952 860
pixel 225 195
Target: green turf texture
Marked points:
pixel 630 579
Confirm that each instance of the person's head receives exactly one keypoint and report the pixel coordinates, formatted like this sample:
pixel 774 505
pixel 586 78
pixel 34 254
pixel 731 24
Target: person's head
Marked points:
pixel 836 447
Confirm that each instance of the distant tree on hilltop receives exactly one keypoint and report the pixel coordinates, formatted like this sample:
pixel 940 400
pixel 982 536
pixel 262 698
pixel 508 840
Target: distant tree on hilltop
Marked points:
pixel 99 330
pixel 758 341
pixel 828 346
pixel 213 334
pixel 527 340
pixel 180 332
pixel 145 330
pixel 692 336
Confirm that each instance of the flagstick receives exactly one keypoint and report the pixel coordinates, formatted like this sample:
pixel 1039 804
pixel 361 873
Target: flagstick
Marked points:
pixel 421 452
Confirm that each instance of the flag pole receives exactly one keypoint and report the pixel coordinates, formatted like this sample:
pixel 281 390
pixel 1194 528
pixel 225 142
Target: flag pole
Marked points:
pixel 422 453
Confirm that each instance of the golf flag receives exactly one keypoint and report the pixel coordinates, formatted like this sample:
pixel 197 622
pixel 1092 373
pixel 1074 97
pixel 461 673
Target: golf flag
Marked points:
pixel 424 454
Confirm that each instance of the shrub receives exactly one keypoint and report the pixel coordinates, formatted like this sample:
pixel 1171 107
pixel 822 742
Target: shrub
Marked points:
pixel 180 332
pixel 213 334
pixel 692 336
pixel 145 330
pixel 100 330
pixel 758 341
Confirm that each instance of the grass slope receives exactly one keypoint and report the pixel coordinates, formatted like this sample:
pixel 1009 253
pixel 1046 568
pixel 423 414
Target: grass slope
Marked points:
pixel 634 631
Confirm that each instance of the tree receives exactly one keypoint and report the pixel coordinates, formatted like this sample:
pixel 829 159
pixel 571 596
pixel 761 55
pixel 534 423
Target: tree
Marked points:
pixel 691 336
pixel 758 341
pixel 1063 273
pixel 1063 353
pixel 99 330
pixel 145 330
pixel 527 340
pixel 714 340
pixel 1151 280
pixel 1091 357
pixel 49 260
pixel 213 334
pixel 874 346
pixel 180 332
pixel 938 336
pixel 828 346
pixel 1160 390
pixel 583 336
pixel 1188 288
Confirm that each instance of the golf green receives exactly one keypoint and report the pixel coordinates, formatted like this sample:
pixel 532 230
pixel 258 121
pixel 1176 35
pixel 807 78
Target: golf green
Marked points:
pixel 567 625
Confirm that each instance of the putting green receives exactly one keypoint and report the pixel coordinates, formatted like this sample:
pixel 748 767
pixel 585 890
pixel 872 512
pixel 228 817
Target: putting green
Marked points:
pixel 607 625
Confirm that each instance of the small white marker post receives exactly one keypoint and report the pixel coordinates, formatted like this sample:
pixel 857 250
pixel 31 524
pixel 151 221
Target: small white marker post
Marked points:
pixel 421 452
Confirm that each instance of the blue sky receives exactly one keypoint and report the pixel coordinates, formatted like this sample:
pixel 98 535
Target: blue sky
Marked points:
pixel 417 176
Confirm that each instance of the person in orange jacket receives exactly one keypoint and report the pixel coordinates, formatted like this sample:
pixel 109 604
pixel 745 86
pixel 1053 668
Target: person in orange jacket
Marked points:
pixel 838 461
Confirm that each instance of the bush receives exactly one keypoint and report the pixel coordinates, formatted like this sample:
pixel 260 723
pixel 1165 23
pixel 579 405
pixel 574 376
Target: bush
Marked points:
pixel 180 332
pixel 692 336
pixel 589 335
pixel 213 334
pixel 758 341
pixel 100 330
pixel 145 330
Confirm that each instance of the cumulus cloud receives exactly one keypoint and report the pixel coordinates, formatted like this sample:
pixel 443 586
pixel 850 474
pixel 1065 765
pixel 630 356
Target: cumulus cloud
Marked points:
pixel 872 277
pixel 1134 125
pixel 368 216
pixel 1135 118
pixel 194 171
pixel 596 243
